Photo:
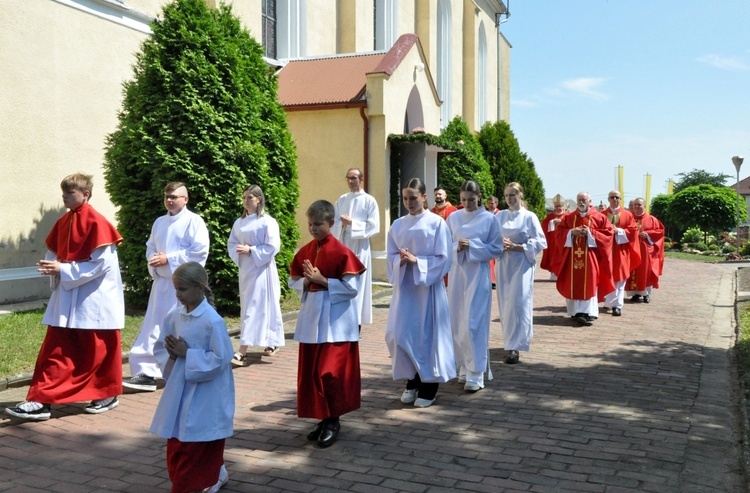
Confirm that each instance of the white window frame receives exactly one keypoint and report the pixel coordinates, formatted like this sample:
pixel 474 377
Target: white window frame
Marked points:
pixel 291 29
pixel 444 44
pixel 114 11
pixel 386 24
pixel 482 57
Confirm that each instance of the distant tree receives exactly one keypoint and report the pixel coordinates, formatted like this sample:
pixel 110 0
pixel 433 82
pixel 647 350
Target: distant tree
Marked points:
pixel 466 162
pixel 201 108
pixel 508 164
pixel 699 177
pixel 712 209
pixel 660 209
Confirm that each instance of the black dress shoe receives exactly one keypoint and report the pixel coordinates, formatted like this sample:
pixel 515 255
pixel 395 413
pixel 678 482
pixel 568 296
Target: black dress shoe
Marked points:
pixel 512 358
pixel 616 312
pixel 329 433
pixel 647 299
pixel 315 433
pixel 635 298
pixel 580 318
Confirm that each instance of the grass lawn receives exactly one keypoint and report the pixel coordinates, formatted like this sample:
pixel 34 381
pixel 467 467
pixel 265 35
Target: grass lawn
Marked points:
pixel 693 256
pixel 21 335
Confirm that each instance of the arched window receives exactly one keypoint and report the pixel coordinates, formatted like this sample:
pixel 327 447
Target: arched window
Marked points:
pixel 385 30
pixel 291 35
pixel 444 59
pixel 482 77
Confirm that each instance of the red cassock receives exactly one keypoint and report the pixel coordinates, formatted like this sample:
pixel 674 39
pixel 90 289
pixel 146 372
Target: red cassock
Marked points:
pixel 78 364
pixel 551 236
pixel 329 383
pixel 652 256
pixel 582 271
pixel 627 256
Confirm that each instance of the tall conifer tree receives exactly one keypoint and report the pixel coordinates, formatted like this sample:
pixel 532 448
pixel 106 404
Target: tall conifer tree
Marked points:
pixel 201 108
pixel 509 164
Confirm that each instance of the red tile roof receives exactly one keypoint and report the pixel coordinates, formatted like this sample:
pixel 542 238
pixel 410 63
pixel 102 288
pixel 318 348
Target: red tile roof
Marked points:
pixel 744 186
pixel 338 80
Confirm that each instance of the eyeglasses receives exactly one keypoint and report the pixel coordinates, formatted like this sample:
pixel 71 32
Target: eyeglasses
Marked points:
pixel 352 178
pixel 174 197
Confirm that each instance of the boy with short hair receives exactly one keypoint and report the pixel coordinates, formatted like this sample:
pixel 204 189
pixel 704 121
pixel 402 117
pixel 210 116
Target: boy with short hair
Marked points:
pixel 80 358
pixel 178 237
pixel 326 275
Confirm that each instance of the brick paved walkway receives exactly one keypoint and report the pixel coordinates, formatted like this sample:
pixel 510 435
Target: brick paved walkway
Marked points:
pixel 643 402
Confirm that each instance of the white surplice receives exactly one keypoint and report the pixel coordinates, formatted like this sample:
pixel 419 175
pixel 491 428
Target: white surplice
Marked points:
pixel 470 288
pixel 88 294
pixel 260 292
pixel 515 276
pixel 328 315
pixel 363 209
pixel 418 333
pixel 197 404
pixel 184 238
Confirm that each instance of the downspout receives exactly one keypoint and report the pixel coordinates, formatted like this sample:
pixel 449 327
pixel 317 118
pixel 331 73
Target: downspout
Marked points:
pixel 365 145
pixel 498 22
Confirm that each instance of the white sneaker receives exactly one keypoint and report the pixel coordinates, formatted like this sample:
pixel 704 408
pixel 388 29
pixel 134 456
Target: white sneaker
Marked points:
pixel 409 396
pixel 102 405
pixel 461 375
pixel 473 386
pixel 223 480
pixel 423 402
pixel 31 410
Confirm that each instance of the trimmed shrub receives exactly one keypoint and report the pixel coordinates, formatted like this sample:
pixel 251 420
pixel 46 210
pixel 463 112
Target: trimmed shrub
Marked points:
pixel 201 108
pixel 728 249
pixel 700 246
pixel 692 235
pixel 465 163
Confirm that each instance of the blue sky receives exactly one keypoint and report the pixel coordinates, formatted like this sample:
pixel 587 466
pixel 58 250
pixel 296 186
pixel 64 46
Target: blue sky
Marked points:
pixel 657 86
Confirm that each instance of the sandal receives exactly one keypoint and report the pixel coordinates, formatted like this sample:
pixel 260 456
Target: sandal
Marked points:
pixel 270 351
pixel 239 359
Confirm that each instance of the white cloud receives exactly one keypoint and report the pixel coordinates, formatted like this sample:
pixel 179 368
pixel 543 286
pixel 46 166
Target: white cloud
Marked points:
pixel 586 86
pixel 724 63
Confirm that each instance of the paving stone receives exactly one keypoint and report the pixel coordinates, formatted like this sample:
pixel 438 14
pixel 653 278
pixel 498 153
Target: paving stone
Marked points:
pixel 642 402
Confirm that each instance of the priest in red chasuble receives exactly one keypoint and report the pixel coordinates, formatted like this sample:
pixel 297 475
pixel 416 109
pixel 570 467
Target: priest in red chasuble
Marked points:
pixel 584 268
pixel 549 227
pixel 645 277
pixel 625 251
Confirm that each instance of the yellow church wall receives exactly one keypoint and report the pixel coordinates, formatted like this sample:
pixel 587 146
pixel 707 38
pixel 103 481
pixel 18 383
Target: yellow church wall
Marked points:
pixel 61 83
pixel 329 142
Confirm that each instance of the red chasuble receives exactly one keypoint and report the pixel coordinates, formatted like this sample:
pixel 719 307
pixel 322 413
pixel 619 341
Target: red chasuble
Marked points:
pixel 551 236
pixel 330 256
pixel 446 211
pixel 625 257
pixel 652 256
pixel 78 233
pixel 583 270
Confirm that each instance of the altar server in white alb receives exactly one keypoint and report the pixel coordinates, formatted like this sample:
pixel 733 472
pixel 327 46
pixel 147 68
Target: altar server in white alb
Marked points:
pixel 418 332
pixel 476 241
pixel 178 237
pixel 358 220
pixel 523 239
pixel 253 245
pixel 196 411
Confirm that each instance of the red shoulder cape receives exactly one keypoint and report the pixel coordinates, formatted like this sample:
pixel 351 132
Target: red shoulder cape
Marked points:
pixel 78 233
pixel 330 256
